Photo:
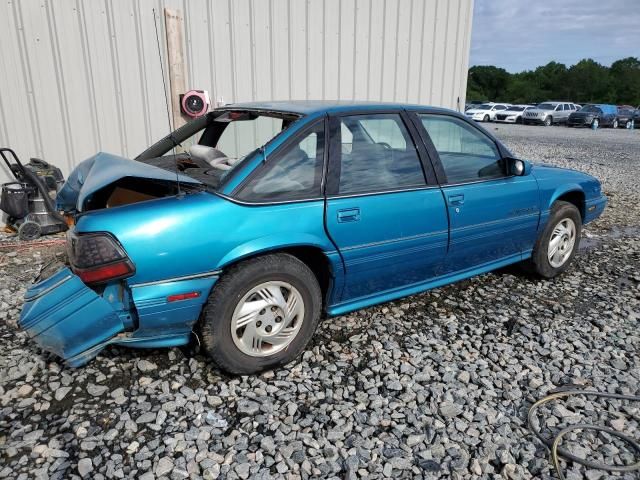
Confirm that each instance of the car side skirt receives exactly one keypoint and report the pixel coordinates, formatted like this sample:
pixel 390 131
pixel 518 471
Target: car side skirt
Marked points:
pixel 394 294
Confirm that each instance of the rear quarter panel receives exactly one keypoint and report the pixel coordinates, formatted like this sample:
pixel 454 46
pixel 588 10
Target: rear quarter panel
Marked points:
pixel 202 232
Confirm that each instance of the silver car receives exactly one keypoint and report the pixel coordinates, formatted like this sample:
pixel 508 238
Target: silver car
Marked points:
pixel 548 113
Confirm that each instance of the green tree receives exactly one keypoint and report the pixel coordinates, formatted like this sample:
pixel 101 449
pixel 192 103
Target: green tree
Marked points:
pixel 585 82
pixel 487 82
pixel 625 79
pixel 588 82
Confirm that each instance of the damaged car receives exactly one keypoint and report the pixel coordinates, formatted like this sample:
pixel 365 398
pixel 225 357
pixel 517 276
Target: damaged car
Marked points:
pixel 248 225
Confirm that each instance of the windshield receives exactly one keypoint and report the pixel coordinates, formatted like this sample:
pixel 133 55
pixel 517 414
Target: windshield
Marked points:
pixel 516 109
pixel 484 106
pixel 590 108
pixel 210 147
pixel 546 106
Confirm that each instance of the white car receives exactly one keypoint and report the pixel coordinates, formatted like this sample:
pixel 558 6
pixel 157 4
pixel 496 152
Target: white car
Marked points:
pixel 486 112
pixel 513 114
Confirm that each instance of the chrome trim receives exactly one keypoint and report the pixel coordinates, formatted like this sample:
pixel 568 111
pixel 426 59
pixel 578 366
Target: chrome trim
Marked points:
pixel 259 204
pixel 486 180
pixel 382 192
pixel 214 273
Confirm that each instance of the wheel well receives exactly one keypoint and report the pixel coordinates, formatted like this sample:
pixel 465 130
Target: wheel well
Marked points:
pixel 576 198
pixel 312 257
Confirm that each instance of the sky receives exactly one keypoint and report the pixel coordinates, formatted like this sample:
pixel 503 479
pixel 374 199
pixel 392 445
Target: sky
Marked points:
pixel 520 35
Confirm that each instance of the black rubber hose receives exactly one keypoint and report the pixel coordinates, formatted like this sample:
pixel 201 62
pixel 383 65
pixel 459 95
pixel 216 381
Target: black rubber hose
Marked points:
pixel 553 443
pixel 51 208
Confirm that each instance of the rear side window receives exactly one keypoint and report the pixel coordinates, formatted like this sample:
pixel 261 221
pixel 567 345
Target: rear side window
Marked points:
pixel 466 154
pixel 377 154
pixel 294 173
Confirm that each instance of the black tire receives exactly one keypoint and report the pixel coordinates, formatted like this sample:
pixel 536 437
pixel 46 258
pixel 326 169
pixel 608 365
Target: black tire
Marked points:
pixel 519 120
pixel 215 324
pixel 29 230
pixel 548 121
pixel 627 125
pixel 486 118
pixel 539 261
pixel 615 123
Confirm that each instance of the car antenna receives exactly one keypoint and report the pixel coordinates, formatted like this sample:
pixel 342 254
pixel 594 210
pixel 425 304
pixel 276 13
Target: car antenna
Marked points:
pixel 166 101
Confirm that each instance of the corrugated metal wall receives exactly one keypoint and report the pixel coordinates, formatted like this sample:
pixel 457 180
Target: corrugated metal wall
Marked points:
pixel 77 77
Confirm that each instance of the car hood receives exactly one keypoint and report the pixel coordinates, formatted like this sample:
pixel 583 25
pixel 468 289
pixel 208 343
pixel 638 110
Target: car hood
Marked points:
pixel 475 110
pixel 104 169
pixel 538 111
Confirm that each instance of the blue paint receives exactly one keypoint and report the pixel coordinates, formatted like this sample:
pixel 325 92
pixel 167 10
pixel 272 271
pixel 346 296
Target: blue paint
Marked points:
pixel 379 246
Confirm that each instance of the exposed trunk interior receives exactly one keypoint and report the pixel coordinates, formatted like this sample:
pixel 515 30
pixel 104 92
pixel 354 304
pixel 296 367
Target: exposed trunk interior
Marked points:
pixel 130 190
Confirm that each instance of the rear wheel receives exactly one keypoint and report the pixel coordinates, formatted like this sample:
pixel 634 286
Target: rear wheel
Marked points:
pixel 261 314
pixel 557 244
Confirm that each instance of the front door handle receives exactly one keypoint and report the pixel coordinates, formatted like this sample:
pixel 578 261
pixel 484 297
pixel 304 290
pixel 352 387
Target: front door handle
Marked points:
pixel 456 200
pixel 349 215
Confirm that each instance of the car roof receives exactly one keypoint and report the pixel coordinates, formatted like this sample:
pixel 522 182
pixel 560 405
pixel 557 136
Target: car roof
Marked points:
pixel 308 107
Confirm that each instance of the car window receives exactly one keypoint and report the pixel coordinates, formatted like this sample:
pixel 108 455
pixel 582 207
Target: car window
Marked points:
pixel 466 154
pixel 377 154
pixel 294 173
pixel 242 137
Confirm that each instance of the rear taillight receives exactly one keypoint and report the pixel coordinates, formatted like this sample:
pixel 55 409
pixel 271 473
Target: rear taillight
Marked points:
pixel 98 258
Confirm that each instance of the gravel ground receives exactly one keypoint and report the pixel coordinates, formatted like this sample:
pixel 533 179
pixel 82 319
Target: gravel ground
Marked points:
pixel 436 385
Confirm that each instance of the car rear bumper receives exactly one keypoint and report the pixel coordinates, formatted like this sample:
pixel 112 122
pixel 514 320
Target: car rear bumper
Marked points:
pixel 69 319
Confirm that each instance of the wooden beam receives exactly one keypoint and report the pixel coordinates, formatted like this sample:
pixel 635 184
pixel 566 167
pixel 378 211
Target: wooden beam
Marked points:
pixel 174 22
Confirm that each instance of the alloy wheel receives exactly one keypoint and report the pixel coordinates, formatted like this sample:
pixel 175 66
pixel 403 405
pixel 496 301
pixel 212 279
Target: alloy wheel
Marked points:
pixel 267 318
pixel 561 243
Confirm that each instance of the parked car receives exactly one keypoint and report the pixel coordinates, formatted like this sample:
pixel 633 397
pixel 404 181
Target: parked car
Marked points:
pixel 599 115
pixel 626 114
pixel 548 113
pixel 486 112
pixel 344 206
pixel 513 114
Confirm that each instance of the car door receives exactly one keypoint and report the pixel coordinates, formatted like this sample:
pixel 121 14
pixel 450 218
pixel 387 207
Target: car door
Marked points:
pixel 493 216
pixel 388 222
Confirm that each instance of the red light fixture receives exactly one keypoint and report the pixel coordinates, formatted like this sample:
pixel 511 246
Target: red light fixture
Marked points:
pixel 182 296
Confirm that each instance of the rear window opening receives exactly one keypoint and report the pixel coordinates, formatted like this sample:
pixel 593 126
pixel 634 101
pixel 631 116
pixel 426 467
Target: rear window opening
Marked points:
pixel 129 190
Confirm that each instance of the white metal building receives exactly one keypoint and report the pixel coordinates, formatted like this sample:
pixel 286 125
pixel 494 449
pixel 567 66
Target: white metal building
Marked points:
pixel 79 76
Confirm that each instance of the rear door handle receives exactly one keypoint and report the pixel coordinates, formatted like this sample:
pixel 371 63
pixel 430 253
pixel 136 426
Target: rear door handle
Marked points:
pixel 349 215
pixel 456 200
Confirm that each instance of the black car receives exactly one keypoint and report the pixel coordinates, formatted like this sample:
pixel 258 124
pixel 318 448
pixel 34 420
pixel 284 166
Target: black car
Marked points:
pixel 595 116
pixel 626 115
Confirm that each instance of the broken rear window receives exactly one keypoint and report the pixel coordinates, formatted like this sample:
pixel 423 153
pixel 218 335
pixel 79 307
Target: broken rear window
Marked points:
pixel 210 147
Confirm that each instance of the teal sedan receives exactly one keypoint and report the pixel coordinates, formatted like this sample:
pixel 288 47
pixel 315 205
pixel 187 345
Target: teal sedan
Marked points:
pixel 247 226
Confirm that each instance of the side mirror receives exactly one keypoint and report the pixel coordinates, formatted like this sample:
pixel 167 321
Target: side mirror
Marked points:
pixel 518 167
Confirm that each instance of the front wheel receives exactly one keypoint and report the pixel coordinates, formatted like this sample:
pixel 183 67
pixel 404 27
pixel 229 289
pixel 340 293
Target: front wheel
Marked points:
pixel 486 118
pixel 261 314
pixel 615 123
pixel 548 121
pixel 557 244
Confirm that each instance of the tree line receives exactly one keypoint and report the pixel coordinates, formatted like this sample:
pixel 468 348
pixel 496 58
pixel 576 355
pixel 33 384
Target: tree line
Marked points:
pixel 585 82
